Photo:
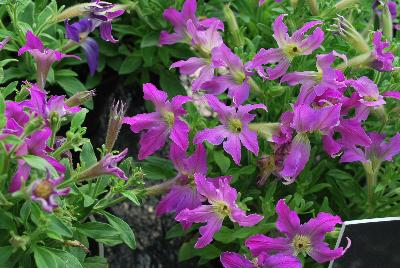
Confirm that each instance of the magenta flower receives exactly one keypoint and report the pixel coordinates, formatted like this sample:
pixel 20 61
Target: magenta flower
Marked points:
pixel 235 260
pixel 16 118
pixel 179 20
pixel 222 204
pixel 44 107
pixel 316 83
pixel 35 144
pixel 161 123
pixel 234 128
pixel 289 47
pixel 236 79
pixel 184 193
pixel 204 41
pixel 367 91
pixel 44 57
pixel 376 152
pixel 382 61
pixel 304 239
pixel 44 191
pixel 4 42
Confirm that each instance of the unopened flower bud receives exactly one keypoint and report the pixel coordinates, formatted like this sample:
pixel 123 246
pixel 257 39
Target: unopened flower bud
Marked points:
pixel 265 130
pixel 266 165
pixel 19 241
pixel 80 98
pixel 387 22
pixel 117 114
pixel 74 11
pixel 233 27
pixel 345 4
pixel 314 8
pixel 347 31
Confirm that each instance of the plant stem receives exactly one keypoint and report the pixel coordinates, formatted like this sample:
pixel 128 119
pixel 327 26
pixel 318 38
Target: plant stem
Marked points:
pixel 372 179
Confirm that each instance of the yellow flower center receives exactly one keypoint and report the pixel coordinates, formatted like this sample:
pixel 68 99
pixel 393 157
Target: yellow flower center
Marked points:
pixel 221 209
pixel 43 189
pixel 301 244
pixel 239 77
pixel 235 125
pixel 291 50
pixel 369 98
pixel 169 118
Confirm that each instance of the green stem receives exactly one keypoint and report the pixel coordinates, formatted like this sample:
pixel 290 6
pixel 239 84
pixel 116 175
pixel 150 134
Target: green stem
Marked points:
pixel 371 174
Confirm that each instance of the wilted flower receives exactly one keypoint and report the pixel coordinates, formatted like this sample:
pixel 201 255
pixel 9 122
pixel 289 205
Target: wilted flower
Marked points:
pixel 234 128
pixel 382 61
pixel 304 239
pixel 161 123
pixel 115 120
pixel 106 166
pixel 184 193
pixel 78 32
pixel 45 191
pixel 222 204
pixel 44 57
pixel 4 42
pixel 289 47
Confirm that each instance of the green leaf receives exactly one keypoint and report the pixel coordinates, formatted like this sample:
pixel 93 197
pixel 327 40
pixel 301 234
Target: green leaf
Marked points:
pixel 39 163
pixel 78 119
pixel 71 85
pixel 44 258
pixel 3 119
pixel 126 232
pixel 130 64
pixel 225 235
pixel 1 74
pixel 175 231
pixel 5 253
pixel 170 83
pixel 59 227
pixel 6 61
pixel 101 232
pixel 222 161
pixel 187 251
pixel 150 39
pixel 95 262
pixel 65 259
pixel 87 156
pixel 131 196
pixel 9 89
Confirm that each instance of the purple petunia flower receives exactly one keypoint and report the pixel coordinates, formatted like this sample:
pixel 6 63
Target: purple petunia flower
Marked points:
pixel 35 144
pixel 44 57
pixel 184 194
pixel 315 84
pixel 222 204
pixel 78 32
pixel 44 107
pixel 367 92
pixel 235 80
pixel 179 20
pixel 382 61
pixel 204 41
pixel 305 238
pixel 235 260
pixel 4 42
pixel 376 152
pixel 45 191
pixel 289 47
pixel 161 123
pixel 234 128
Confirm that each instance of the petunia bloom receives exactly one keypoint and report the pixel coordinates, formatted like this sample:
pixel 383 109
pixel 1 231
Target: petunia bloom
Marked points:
pixel 179 20
pixel 35 144
pixel 204 41
pixel 106 166
pixel 307 238
pixel 45 191
pixel 367 91
pixel 184 193
pixel 235 260
pixel 235 80
pixel 316 83
pixel 222 204
pixel 235 128
pixel 381 60
pixel 289 47
pixel 44 57
pixel 78 32
pixel 161 123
